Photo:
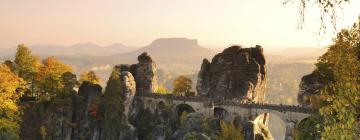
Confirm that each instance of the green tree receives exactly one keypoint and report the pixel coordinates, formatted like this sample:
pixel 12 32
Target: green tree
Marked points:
pixel 339 101
pixel 90 77
pixel 341 109
pixel 27 65
pixel 113 108
pixel 49 75
pixel 70 82
pixel 10 91
pixel 182 85
pixel 26 62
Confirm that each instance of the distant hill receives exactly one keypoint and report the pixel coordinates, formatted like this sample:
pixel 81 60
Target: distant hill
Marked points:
pixel 172 54
pixel 82 48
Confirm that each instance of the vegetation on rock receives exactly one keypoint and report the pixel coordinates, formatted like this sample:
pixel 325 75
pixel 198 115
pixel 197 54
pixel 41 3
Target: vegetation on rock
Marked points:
pixel 230 132
pixel 113 107
pixel 10 91
pixel 89 76
pixel 182 86
pixel 339 100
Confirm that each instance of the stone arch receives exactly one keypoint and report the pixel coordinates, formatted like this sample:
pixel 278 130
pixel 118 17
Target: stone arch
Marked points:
pixel 300 124
pixel 302 121
pixel 221 114
pixel 275 123
pixel 180 108
pixel 160 105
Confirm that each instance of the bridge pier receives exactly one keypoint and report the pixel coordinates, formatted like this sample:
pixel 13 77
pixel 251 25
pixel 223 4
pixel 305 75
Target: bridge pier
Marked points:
pixel 289 131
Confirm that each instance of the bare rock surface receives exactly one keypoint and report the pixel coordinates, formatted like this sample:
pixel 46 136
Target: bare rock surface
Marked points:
pixel 144 73
pixel 309 87
pixel 128 90
pixel 236 73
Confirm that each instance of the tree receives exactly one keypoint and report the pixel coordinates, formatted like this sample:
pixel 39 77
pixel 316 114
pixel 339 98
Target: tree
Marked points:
pixel 90 77
pixel 10 91
pixel 182 85
pixel 161 90
pixel 339 68
pixel 113 108
pixel 70 82
pixel 341 109
pixel 26 62
pixel 27 66
pixel 49 76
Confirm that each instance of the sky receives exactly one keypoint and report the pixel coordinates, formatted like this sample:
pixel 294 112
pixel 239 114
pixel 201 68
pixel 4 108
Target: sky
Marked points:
pixel 214 23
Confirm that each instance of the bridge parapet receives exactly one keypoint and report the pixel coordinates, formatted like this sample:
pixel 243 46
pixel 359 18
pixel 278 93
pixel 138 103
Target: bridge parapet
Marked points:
pixel 281 108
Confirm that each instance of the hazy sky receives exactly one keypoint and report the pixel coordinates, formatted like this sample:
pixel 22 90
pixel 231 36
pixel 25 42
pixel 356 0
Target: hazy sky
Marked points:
pixel 138 22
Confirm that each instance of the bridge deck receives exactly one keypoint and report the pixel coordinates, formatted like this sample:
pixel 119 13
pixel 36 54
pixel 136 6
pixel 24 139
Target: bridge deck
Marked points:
pixel 279 107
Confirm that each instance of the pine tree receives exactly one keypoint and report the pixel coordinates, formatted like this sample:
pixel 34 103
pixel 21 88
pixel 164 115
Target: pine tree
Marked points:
pixel 113 108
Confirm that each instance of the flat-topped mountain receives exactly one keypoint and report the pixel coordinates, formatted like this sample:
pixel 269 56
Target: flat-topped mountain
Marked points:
pixel 176 47
pixel 174 54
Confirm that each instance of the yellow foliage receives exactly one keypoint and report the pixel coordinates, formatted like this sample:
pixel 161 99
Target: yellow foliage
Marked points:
pixel 90 77
pixel 162 90
pixel 42 132
pixel 182 85
pixel 49 75
pixel 183 117
pixel 230 132
pixel 10 92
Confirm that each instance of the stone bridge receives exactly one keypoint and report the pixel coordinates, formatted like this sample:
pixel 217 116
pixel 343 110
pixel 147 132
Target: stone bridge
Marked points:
pixel 228 109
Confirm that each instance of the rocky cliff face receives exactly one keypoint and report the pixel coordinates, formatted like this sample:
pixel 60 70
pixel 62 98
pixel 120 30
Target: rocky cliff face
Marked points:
pixel 236 73
pixel 47 120
pixel 310 88
pixel 144 73
pixel 86 108
pixel 128 90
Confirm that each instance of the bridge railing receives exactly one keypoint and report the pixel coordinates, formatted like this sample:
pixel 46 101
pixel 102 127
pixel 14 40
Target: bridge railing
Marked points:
pixel 279 107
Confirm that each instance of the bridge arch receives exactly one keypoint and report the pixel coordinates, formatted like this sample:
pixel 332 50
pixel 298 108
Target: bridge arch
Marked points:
pixel 180 108
pixel 221 114
pixel 160 105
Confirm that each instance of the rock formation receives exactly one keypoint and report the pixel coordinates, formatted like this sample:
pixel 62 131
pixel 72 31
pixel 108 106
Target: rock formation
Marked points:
pixel 236 73
pixel 128 90
pixel 86 108
pixel 47 120
pixel 309 88
pixel 144 73
pixel 193 124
